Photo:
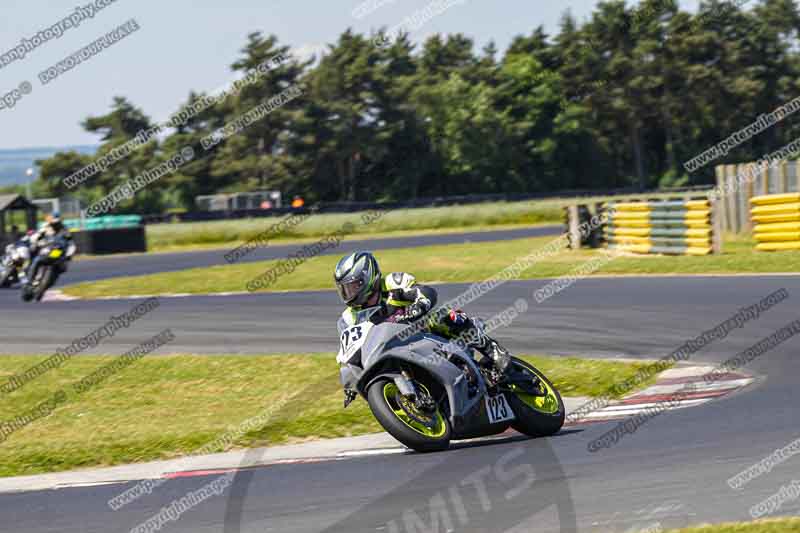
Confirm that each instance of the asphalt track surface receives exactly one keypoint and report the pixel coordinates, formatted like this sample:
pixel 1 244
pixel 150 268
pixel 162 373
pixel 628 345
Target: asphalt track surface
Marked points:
pixel 671 472
pixel 140 264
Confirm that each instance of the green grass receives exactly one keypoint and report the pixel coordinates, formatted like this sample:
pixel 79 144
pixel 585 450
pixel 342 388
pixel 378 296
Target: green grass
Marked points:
pixel 180 236
pixel 473 217
pixel 168 406
pixel 780 525
pixel 447 263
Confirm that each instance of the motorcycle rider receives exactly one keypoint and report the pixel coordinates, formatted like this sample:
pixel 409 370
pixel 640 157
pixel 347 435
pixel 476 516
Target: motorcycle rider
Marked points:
pixel 52 228
pixel 361 285
pixel 18 252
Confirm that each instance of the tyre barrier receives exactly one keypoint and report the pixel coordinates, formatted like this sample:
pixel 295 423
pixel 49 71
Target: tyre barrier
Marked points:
pixel 776 219
pixel 674 227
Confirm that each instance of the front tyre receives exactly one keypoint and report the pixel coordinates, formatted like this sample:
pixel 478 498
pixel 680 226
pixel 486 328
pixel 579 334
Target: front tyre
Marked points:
pixel 418 430
pixel 540 414
pixel 45 282
pixel 5 276
pixel 27 293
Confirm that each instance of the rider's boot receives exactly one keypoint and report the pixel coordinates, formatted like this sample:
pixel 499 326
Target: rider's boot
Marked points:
pixel 491 349
pixel 474 331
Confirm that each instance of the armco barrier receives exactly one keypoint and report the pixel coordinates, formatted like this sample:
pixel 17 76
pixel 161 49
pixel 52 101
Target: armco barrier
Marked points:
pixel 111 241
pixel 675 227
pixel 777 221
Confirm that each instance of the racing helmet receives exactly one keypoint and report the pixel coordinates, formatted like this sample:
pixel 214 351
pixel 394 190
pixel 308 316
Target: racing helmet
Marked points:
pixel 358 278
pixel 54 220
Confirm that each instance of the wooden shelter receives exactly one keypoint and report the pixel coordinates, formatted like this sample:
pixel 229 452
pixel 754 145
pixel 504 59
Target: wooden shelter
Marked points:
pixel 9 204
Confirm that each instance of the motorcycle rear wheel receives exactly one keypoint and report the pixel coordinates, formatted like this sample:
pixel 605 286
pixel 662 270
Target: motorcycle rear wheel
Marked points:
pixel 386 404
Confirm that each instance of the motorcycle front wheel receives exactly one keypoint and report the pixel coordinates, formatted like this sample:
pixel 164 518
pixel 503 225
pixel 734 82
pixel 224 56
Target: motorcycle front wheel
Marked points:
pixel 45 281
pixel 5 277
pixel 540 414
pixel 421 431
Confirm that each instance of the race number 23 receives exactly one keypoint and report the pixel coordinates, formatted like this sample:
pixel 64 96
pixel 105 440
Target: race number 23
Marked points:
pixel 351 335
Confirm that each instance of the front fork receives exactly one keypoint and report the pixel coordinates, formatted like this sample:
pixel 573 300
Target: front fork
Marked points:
pixel 406 386
pixel 29 274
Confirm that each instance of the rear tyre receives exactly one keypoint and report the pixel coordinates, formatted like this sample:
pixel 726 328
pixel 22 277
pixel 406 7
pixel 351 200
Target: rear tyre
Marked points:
pixel 420 431
pixel 538 415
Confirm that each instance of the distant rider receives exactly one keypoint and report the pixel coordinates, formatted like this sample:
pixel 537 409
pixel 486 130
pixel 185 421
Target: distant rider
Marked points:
pixel 361 286
pixel 52 228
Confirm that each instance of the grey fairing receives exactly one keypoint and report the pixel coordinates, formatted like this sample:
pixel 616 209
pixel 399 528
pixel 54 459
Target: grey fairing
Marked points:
pixel 384 349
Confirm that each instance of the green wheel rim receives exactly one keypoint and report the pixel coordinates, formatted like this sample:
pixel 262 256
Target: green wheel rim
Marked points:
pixel 547 404
pixel 390 394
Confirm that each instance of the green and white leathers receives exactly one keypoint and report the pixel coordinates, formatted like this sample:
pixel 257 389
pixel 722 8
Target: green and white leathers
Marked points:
pixel 394 287
pixel 361 285
pixel 363 289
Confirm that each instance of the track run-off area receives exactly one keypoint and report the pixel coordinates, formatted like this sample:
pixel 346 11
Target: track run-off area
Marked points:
pixel 672 471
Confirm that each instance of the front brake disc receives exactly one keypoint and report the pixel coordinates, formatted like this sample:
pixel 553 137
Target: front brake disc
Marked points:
pixel 413 413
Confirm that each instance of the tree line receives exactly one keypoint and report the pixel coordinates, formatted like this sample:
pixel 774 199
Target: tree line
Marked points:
pixel 621 99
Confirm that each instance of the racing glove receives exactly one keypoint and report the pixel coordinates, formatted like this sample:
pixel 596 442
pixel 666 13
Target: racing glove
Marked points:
pixel 415 311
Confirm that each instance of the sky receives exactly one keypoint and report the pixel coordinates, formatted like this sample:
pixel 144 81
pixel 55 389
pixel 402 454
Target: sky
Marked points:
pixel 184 45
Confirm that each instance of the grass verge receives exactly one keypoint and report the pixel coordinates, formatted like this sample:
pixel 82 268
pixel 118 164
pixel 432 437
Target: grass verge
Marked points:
pixel 168 406
pixel 186 235
pixel 447 263
pixel 286 240
pixel 472 217
pixel 779 525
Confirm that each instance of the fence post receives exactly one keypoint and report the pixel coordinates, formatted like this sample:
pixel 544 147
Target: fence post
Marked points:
pixel 574 231
pixel 733 198
pixel 744 200
pixel 797 177
pixel 721 184
pixel 716 226
pixel 783 183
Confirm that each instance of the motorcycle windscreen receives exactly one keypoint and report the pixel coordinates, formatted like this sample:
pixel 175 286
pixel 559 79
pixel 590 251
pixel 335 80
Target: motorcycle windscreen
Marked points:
pixel 379 337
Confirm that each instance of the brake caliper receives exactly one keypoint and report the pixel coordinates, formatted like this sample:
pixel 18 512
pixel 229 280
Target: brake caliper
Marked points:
pixel 349 396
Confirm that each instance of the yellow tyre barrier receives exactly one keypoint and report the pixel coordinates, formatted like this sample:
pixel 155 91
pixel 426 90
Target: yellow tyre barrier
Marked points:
pixel 777 246
pixel 777 221
pixel 677 227
pixel 769 219
pixel 776 209
pixel 782 226
pixel 776 199
pixel 780 236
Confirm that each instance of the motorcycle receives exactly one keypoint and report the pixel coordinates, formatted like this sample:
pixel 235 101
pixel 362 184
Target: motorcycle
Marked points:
pixel 49 263
pixel 426 391
pixel 11 265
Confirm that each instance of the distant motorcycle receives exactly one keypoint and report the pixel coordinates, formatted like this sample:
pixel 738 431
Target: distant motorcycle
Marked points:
pixel 50 263
pixel 425 391
pixel 13 262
